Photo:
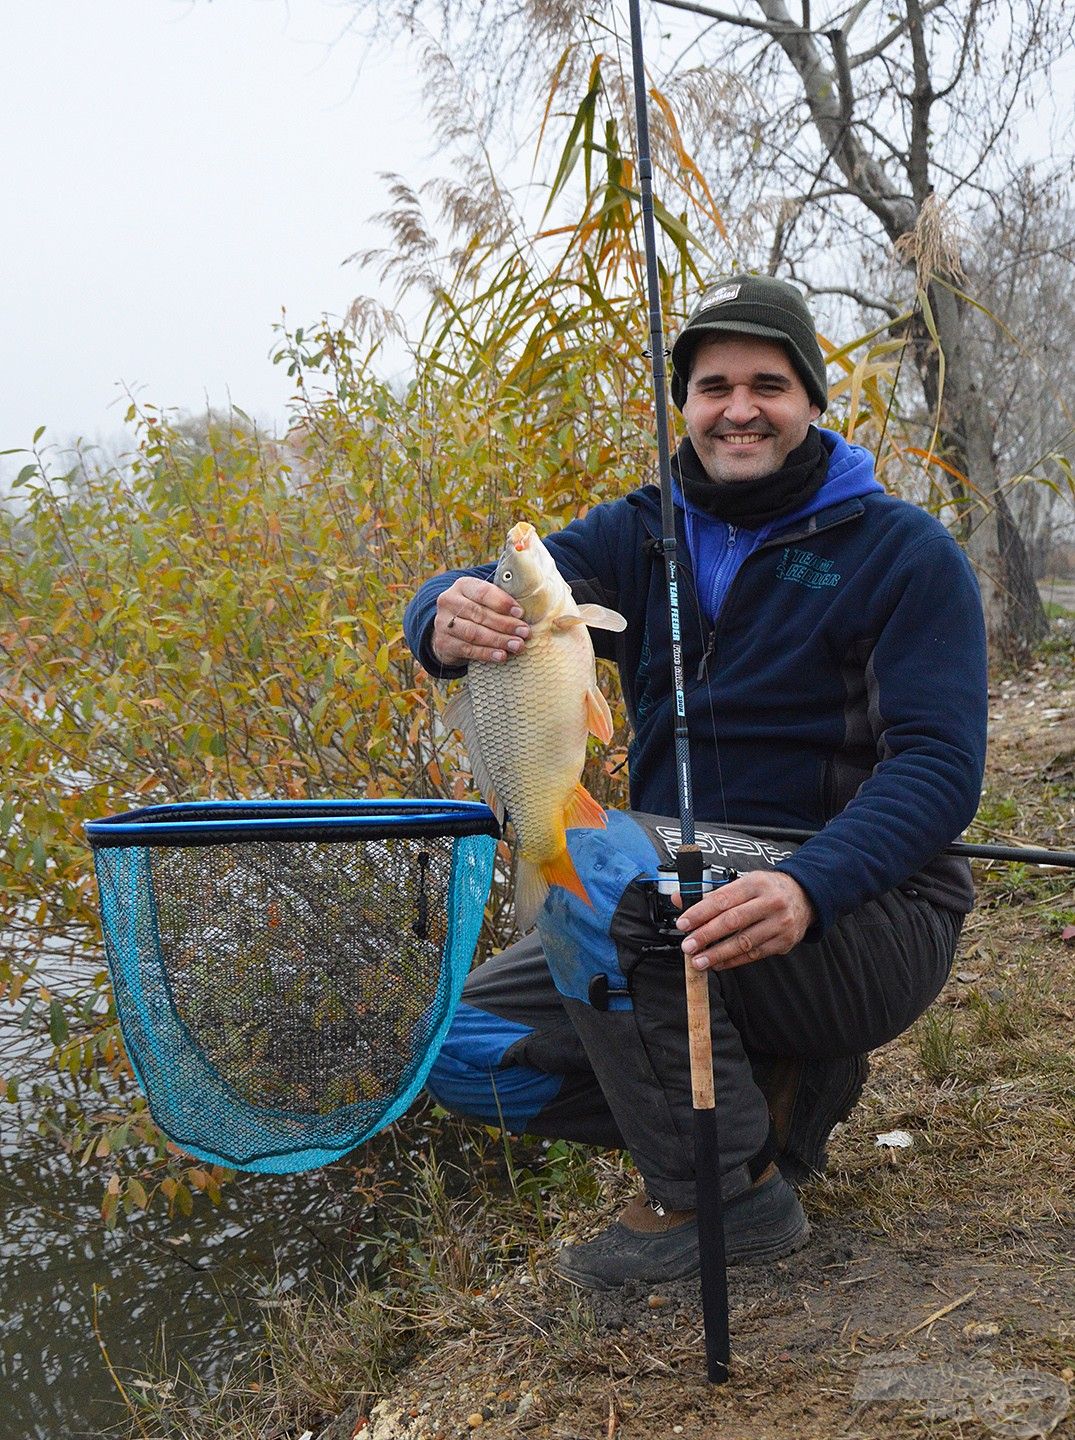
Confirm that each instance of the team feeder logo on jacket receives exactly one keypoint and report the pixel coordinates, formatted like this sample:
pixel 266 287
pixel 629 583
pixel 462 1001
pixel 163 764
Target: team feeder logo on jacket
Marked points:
pixel 805 568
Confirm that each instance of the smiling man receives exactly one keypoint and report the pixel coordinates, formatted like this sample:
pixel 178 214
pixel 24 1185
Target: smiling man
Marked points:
pixel 834 650
pixel 745 409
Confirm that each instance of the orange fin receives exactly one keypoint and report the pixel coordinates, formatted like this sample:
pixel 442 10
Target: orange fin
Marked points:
pixel 598 715
pixel 561 871
pixel 533 882
pixel 582 811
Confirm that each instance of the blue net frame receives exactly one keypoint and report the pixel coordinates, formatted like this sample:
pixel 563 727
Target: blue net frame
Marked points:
pixel 286 971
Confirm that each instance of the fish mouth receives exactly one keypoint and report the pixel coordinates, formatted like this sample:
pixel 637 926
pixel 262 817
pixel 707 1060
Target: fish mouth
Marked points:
pixel 520 535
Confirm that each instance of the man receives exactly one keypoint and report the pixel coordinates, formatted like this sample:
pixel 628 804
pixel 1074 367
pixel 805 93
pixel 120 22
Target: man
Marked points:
pixel 835 658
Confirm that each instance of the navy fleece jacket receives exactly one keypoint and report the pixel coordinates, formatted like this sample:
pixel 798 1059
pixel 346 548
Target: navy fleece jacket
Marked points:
pixel 838 682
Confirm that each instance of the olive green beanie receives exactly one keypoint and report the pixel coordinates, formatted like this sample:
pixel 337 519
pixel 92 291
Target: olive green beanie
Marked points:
pixel 753 305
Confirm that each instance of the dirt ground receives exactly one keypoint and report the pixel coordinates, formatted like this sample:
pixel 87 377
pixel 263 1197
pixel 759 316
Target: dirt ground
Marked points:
pixel 937 1297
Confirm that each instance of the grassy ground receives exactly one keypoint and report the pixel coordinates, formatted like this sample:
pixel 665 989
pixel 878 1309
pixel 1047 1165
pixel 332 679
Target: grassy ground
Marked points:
pixel 936 1299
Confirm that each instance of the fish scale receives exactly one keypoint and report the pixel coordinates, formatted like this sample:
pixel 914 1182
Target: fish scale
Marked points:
pixel 532 731
pixel 525 720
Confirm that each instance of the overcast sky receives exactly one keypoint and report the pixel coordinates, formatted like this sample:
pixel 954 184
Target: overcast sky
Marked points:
pixel 179 171
pixel 176 172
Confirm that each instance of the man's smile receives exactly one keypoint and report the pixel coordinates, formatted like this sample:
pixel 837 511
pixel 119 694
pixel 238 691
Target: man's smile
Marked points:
pixel 750 437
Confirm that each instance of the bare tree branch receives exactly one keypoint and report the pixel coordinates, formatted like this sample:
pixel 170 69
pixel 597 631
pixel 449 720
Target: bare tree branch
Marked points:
pixel 730 19
pixel 869 302
pixel 876 51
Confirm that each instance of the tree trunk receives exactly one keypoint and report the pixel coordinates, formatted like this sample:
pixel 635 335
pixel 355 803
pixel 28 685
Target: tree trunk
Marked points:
pixel 1014 615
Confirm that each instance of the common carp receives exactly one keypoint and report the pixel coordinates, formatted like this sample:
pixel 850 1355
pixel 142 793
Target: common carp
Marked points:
pixel 525 721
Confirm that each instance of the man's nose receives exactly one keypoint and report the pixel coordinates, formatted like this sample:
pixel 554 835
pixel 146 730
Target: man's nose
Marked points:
pixel 741 407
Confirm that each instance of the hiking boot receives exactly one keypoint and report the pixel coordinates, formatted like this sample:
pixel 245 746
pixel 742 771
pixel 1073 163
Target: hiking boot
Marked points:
pixel 807 1098
pixel 652 1244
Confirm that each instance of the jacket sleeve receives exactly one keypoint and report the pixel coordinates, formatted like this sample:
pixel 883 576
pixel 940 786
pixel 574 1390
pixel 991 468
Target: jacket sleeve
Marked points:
pixel 927 688
pixel 584 552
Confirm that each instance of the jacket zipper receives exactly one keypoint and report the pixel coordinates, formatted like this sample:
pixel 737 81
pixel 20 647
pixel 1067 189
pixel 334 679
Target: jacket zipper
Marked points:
pixel 786 539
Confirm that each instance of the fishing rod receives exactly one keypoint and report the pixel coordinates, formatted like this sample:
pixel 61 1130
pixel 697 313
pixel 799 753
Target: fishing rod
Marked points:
pixel 1009 854
pixel 689 865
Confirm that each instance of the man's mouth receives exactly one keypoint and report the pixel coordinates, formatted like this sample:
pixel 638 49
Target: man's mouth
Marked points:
pixel 743 437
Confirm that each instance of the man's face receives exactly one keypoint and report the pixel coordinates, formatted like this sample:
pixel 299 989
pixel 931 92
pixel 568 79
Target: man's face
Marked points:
pixel 746 408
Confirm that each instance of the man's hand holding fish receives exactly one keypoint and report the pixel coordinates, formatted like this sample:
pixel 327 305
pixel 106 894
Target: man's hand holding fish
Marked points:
pixel 476 620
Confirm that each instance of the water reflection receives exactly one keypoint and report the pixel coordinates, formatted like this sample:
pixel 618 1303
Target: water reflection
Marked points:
pixel 193 1279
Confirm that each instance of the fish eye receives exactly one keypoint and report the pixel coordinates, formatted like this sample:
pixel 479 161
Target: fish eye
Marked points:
pixel 505 574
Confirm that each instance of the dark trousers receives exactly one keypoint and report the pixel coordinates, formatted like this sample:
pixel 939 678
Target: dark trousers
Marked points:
pixel 525 1055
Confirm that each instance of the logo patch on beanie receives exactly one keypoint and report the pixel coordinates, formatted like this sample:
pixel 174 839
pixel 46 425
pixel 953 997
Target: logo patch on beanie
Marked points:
pixel 719 296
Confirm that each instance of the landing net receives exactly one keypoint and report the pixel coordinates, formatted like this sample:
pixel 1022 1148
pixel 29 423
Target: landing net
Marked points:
pixel 285 971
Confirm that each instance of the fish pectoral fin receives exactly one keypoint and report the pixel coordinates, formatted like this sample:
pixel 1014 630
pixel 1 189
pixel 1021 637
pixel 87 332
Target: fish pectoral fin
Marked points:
pixel 602 618
pixel 459 712
pixel 598 715
pixel 582 811
pixel 459 715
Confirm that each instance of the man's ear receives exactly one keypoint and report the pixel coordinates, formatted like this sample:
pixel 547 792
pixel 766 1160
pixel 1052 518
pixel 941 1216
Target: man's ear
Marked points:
pixel 815 411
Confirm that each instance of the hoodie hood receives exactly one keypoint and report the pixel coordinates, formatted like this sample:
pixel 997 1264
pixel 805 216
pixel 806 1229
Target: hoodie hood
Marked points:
pixel 718 549
pixel 850 476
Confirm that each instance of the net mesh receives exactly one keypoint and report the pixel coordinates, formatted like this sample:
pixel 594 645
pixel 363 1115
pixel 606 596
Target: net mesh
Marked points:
pixel 282 1000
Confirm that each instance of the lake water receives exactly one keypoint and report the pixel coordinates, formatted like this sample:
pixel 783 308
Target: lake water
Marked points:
pixel 191 1283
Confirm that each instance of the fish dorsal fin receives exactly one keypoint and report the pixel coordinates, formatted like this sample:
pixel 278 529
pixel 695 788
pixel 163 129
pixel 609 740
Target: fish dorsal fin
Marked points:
pixel 459 715
pixel 602 618
pixel 598 715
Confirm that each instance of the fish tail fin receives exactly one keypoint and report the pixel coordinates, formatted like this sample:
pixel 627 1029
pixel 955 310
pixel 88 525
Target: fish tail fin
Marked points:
pixel 582 812
pixel 531 889
pixel 561 871
pixel 533 882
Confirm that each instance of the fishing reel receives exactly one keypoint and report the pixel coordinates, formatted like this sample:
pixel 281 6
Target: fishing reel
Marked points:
pixel 664 913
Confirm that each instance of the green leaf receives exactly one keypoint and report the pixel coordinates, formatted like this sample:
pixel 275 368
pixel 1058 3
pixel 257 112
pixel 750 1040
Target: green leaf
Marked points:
pixel 58 1031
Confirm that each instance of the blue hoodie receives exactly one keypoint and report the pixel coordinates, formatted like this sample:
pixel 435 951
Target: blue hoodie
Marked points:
pixel 718 548
pixel 835 677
